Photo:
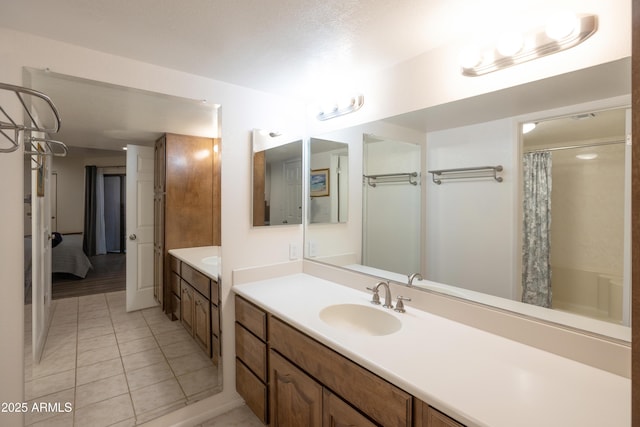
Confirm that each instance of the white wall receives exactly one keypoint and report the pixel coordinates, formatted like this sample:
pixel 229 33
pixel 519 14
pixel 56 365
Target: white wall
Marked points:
pixel 71 173
pixel 470 223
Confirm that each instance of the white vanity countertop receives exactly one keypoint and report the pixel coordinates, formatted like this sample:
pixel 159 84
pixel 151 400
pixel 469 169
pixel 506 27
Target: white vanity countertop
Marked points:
pixel 476 377
pixel 195 256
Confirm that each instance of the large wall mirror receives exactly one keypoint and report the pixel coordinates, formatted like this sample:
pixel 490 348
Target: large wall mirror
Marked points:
pixel 140 364
pixel 465 235
pixel 277 179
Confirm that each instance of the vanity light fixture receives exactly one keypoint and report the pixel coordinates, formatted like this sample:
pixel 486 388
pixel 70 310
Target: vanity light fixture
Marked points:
pixel 345 106
pixel 562 32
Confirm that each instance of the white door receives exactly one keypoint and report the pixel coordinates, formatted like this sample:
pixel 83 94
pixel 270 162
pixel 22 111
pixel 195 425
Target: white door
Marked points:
pixel 293 189
pixel 40 255
pixel 140 164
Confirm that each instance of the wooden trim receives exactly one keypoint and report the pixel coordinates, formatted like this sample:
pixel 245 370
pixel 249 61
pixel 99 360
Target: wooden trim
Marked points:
pixel 258 188
pixel 217 193
pixel 635 214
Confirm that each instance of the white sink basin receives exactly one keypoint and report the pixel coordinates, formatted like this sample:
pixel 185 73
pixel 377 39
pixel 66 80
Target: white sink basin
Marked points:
pixel 360 319
pixel 210 260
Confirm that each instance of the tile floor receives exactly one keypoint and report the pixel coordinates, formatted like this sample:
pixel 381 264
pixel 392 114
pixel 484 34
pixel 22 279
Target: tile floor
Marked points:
pixel 115 368
pixel 238 417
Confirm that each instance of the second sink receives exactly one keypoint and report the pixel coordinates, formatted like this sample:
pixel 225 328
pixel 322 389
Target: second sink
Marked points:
pixel 360 319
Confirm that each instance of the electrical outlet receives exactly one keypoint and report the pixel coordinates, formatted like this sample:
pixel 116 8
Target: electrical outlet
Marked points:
pixel 313 248
pixel 293 251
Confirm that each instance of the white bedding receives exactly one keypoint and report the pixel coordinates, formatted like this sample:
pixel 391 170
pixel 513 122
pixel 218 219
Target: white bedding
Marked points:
pixel 68 256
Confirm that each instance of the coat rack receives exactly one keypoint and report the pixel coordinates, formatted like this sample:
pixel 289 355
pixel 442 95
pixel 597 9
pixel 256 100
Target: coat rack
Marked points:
pixel 11 128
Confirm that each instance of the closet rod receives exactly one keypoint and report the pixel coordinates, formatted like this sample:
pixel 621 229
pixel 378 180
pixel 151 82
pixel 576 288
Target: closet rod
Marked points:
pixel 571 147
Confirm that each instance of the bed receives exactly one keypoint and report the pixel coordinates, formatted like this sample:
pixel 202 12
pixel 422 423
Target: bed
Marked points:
pixel 68 257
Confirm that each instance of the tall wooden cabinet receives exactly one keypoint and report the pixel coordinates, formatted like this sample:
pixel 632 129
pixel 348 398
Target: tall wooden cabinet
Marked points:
pixel 186 202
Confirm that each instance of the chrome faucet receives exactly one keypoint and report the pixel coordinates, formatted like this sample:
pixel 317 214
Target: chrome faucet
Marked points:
pixel 387 294
pixel 414 276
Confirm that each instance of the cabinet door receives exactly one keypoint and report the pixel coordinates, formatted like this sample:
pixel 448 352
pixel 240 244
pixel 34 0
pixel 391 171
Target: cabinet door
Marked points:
pixel 337 413
pixel 295 398
pixel 186 306
pixel 202 322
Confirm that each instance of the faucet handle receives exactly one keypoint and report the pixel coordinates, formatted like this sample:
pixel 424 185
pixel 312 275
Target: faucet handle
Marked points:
pixel 375 299
pixel 400 304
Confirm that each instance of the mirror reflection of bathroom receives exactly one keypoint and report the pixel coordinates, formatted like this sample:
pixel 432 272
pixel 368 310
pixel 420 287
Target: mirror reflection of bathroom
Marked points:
pixel 329 163
pixel 85 345
pixel 391 195
pixel 576 180
pixel 277 179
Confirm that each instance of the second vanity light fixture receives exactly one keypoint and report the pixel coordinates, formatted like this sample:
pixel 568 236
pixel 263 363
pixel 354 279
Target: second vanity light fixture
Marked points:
pixel 336 109
pixel 562 32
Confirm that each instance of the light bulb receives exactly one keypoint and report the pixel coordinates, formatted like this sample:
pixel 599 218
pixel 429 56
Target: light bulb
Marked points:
pixel 470 57
pixel 562 25
pixel 510 43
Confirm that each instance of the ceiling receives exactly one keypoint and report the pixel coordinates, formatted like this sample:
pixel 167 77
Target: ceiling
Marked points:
pixel 290 47
pixel 287 47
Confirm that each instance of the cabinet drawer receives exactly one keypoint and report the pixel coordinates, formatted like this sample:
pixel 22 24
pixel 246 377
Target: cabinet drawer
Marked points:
pixel 252 352
pixel 174 283
pixel 252 390
pixel 382 401
pixel 215 320
pixel 251 317
pixel 174 264
pixel 199 281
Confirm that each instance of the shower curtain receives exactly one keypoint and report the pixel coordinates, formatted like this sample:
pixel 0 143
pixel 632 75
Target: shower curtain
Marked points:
pixel 536 248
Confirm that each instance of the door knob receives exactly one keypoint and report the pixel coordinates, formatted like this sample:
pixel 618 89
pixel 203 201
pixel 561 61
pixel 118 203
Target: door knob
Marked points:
pixel 132 237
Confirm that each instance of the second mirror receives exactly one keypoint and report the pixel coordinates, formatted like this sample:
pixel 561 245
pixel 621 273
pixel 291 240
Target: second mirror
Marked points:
pixel 277 179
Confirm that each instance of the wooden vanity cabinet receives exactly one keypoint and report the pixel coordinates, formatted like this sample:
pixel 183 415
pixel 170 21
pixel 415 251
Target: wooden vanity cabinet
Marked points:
pixel 295 398
pixel 186 203
pixel 289 379
pixel 252 357
pixel 427 416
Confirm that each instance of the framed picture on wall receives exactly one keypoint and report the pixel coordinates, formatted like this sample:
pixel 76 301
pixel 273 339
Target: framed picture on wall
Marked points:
pixel 319 182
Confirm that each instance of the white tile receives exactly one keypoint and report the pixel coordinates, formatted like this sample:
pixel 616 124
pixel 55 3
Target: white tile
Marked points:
pixel 238 417
pixel 95 322
pixel 133 334
pixel 98 371
pixel 156 396
pixel 49 384
pixel 53 364
pixel 137 346
pixel 60 399
pixel 174 337
pixel 181 348
pixel 189 363
pixel 158 412
pixel 62 420
pixel 93 343
pixel 100 390
pixel 149 375
pixel 165 327
pixel 100 313
pixel 95 331
pixel 90 357
pixel 106 412
pixel 198 381
pixel 140 360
